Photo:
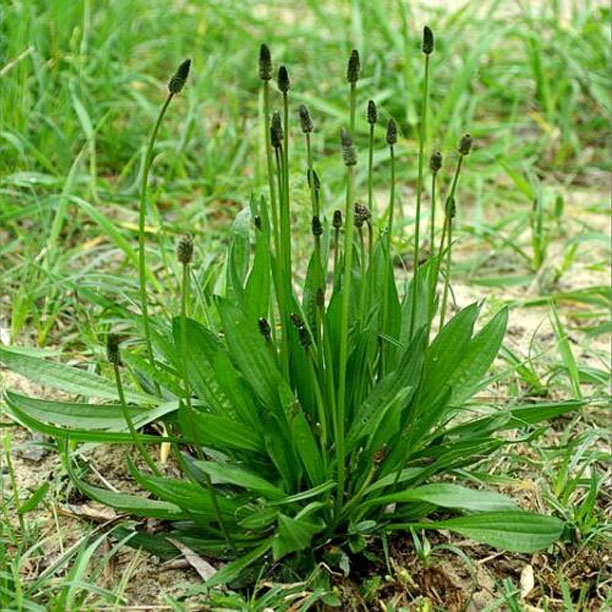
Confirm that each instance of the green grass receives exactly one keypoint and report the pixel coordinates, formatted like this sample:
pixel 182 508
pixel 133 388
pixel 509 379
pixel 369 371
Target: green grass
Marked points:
pixel 81 86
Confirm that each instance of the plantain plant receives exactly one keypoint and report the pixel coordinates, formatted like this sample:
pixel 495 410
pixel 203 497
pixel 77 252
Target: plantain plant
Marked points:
pixel 301 417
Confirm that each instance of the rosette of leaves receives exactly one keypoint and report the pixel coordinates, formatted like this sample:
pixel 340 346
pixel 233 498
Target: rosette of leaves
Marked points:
pixel 276 464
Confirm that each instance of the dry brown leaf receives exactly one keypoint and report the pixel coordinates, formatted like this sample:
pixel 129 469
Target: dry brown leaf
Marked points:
pixel 204 568
pixel 90 513
pixel 527 581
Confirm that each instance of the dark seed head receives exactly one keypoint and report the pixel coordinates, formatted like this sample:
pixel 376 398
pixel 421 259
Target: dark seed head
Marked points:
pixel 265 63
pixel 465 144
pixel 112 349
pixel 257 221
pixel 428 40
pixel 179 78
pixel 264 328
pixel 362 215
pixel 304 336
pixel 317 228
pixel 380 454
pixel 391 132
pixel 296 319
pixel 435 161
pixel 337 219
pixel 348 150
pixel 353 67
pixel 305 120
pixel 320 297
pixel 184 249
pixel 283 79
pixel 276 130
pixel 372 113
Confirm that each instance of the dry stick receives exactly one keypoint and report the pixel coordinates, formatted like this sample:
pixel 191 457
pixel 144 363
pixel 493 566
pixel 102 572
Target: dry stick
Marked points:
pixel 185 254
pixel 175 85
pixel 427 39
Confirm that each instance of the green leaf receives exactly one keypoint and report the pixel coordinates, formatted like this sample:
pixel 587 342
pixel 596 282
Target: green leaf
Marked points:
pixel 314 281
pixel 398 385
pixel 515 418
pixel 144 368
pixel 219 432
pixel 22 408
pixel 233 474
pixel 257 292
pixel 232 570
pixel 449 496
pixel 445 354
pixel 185 494
pixel 238 255
pixel 32 502
pixel 307 447
pixel 66 378
pixel 293 535
pixel 88 416
pixel 513 531
pixel 126 502
pixel 251 355
pixel 202 347
pixel 477 358
pixel 566 351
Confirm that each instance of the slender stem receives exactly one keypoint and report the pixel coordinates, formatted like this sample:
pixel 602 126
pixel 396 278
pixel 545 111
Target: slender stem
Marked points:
pixel 391 199
pixel 142 265
pixel 370 167
pixel 436 273
pixel 432 221
pixel 344 329
pixel 448 226
pixel 285 210
pixel 313 194
pixel 389 266
pixel 269 162
pixel 189 406
pixel 417 229
pixel 273 200
pixel 128 419
pixel 336 253
pixel 362 275
pixel 9 465
pixel 353 102
pixel 320 407
pixel 432 233
pixel 281 263
pixel 448 271
pixel 370 202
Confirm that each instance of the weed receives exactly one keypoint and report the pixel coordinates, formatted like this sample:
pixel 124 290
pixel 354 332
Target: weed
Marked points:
pixel 300 421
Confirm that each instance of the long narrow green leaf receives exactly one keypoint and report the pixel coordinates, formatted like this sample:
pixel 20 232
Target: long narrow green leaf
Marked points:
pixel 66 378
pixel 515 531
